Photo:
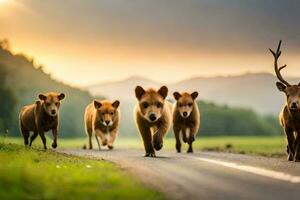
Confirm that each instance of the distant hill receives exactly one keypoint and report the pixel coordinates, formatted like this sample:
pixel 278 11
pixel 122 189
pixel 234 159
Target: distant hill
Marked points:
pixel 27 80
pixel 255 91
pixel 121 89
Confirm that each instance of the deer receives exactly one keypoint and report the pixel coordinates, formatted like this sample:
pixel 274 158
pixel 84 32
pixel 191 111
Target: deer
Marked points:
pixel 289 116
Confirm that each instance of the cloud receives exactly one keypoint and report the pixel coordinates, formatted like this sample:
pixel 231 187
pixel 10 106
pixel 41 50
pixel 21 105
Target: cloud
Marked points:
pixel 126 37
pixel 192 25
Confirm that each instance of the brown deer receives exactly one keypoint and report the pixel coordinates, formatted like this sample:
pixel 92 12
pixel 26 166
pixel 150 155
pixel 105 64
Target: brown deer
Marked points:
pixel 289 117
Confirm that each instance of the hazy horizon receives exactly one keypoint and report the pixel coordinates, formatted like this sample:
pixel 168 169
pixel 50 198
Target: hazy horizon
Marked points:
pixel 87 42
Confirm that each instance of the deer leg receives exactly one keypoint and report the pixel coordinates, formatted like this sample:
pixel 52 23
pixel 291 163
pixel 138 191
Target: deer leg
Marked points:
pixel 297 148
pixel 191 139
pixel 184 136
pixel 25 134
pixel 112 137
pixel 32 138
pixel 147 139
pixel 54 132
pixel 42 135
pixel 146 136
pixel 158 139
pixel 291 140
pixel 90 142
pixel 102 136
pixel 178 142
pixel 97 139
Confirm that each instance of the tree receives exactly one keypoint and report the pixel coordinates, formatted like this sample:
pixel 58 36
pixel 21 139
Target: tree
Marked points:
pixel 7 102
pixel 5 44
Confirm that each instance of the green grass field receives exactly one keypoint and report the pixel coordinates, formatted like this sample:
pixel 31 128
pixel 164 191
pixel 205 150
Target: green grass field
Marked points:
pixel 266 145
pixel 30 173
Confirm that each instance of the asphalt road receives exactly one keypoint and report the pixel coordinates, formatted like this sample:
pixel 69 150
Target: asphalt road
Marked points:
pixel 208 175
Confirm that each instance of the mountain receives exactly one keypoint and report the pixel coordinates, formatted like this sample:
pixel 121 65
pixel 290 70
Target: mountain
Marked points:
pixel 255 91
pixel 121 89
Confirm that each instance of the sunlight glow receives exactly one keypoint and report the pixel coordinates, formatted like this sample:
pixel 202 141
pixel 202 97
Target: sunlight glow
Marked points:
pixel 4 1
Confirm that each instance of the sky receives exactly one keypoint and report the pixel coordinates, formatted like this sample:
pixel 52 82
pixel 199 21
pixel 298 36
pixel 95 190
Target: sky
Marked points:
pixel 83 42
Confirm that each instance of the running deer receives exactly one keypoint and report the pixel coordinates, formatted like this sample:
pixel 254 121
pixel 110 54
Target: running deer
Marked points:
pixel 289 117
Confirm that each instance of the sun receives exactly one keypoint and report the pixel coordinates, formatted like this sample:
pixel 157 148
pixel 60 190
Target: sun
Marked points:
pixel 4 1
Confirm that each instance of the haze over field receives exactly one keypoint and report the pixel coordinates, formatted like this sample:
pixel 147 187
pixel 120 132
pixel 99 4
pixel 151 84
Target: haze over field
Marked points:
pixel 255 91
pixel 87 42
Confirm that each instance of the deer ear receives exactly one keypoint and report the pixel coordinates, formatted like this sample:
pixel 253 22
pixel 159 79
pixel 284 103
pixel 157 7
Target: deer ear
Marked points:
pixel 163 91
pixel 116 104
pixel 281 87
pixel 194 95
pixel 61 96
pixel 97 104
pixel 42 97
pixel 176 95
pixel 139 92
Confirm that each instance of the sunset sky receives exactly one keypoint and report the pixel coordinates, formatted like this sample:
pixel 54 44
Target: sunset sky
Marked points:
pixel 83 42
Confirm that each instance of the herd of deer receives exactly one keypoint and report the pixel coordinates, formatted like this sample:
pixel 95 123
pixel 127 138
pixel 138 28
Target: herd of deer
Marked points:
pixel 153 112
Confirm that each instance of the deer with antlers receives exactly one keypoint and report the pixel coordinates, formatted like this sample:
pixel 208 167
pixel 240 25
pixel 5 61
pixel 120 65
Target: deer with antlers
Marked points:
pixel 290 114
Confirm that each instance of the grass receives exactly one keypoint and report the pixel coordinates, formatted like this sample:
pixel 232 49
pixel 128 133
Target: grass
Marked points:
pixel 264 145
pixel 31 173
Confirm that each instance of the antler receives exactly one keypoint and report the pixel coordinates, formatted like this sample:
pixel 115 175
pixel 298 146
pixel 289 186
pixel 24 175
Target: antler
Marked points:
pixel 277 70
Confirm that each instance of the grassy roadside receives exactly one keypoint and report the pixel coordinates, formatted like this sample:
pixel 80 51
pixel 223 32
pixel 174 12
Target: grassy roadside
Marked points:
pixel 265 145
pixel 29 173
pixel 274 146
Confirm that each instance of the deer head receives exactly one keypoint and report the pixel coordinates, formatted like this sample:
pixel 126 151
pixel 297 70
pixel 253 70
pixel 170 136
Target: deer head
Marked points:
pixel 292 92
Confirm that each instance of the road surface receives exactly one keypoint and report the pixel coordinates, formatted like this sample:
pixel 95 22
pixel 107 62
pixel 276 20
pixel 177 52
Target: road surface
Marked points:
pixel 208 175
